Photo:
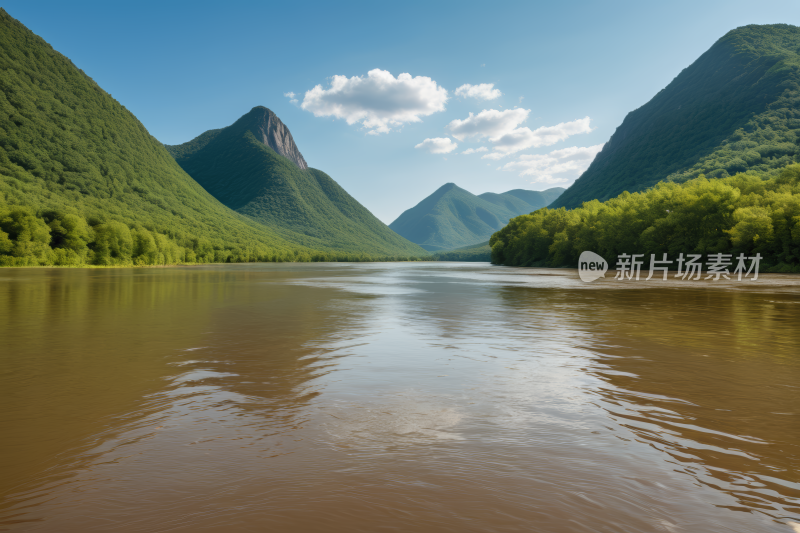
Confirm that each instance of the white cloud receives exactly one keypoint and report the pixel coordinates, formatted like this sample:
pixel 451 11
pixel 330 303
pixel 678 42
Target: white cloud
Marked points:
pixel 483 91
pixel 488 123
pixel 475 150
pixel 568 163
pixel 523 138
pixel 438 145
pixel 291 96
pixel 503 131
pixel 378 101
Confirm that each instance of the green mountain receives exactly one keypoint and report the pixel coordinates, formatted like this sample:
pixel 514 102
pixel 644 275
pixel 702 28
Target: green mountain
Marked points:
pixel 480 252
pixel 735 109
pixel 452 217
pixel 82 181
pixel 254 167
pixel 521 201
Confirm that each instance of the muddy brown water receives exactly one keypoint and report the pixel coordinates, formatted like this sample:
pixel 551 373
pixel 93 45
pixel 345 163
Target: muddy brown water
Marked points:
pixel 396 397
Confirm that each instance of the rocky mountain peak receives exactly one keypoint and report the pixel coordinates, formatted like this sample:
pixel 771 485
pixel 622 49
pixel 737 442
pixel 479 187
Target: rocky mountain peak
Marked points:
pixel 269 129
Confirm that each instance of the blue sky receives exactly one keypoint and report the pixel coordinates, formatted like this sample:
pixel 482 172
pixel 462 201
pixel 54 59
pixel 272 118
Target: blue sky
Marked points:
pixel 185 67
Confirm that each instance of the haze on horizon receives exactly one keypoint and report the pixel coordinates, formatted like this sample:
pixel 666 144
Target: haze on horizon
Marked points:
pixel 395 104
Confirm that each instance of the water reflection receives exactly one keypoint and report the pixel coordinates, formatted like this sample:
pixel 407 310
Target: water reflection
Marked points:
pixel 97 362
pixel 708 377
pixel 427 397
pixel 718 393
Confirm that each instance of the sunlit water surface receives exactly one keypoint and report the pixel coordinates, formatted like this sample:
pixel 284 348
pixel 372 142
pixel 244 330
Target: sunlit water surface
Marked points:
pixel 396 397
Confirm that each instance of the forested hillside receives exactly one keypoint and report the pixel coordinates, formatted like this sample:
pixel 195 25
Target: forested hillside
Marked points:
pixel 452 217
pixel 745 213
pixel 81 180
pixel 238 166
pixel 735 109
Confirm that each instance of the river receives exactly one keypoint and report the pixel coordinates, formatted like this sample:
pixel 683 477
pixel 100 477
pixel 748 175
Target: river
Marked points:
pixel 424 397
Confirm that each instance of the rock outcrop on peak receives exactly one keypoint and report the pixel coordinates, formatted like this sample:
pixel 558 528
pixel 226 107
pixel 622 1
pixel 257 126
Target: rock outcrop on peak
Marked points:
pixel 269 129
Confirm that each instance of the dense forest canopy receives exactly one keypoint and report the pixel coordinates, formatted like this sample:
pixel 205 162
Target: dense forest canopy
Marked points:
pixel 50 237
pixel 736 108
pixel 745 213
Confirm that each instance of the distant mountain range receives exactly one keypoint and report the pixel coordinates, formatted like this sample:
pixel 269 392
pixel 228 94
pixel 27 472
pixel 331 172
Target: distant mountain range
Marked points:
pixel 736 108
pixel 452 217
pixel 254 167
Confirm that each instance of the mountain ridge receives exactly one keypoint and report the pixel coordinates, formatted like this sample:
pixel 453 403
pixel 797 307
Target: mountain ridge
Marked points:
pixel 303 205
pixel 452 217
pixel 735 109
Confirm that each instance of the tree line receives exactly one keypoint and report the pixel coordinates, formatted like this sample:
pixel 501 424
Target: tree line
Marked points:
pixel 52 238
pixel 745 213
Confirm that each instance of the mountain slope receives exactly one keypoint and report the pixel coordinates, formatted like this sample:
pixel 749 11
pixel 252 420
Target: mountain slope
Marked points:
pixel 538 198
pixel 480 252
pixel 521 201
pixel 247 169
pixel 452 217
pixel 736 108
pixel 68 148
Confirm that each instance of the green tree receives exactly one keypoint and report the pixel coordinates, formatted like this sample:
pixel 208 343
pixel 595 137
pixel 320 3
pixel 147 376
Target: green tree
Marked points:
pixel 30 236
pixel 113 244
